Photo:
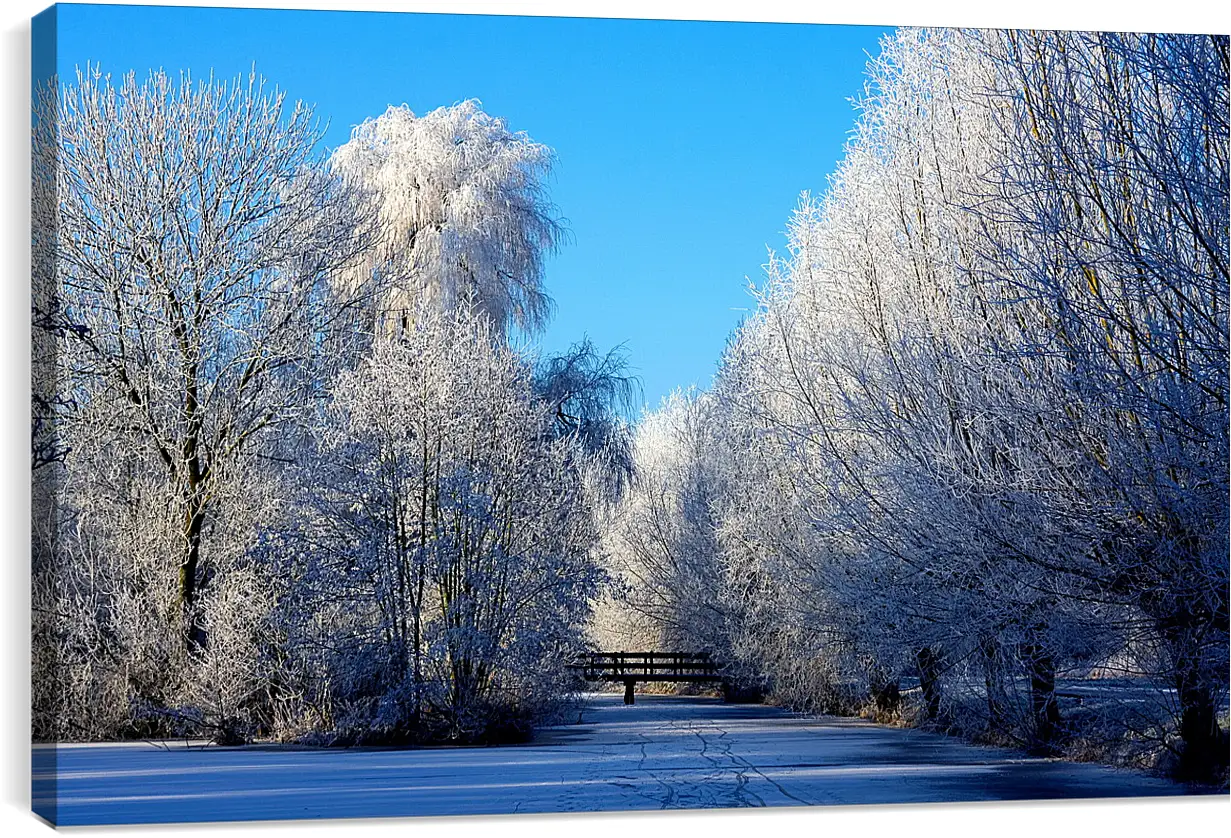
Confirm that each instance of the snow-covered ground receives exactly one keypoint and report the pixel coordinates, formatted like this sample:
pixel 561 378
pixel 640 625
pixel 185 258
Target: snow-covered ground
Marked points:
pixel 664 752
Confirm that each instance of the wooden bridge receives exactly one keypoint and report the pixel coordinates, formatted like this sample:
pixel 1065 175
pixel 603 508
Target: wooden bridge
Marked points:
pixel 631 667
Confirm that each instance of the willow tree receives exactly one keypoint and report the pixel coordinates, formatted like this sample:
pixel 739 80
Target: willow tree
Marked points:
pixel 463 206
pixel 588 394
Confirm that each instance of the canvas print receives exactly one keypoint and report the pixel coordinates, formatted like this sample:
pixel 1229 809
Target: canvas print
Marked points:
pixel 458 414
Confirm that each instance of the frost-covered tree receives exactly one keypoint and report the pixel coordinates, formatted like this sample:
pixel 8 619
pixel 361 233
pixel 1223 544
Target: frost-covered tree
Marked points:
pixel 267 510
pixel 853 370
pixel 195 240
pixel 662 536
pixel 451 558
pixel 192 236
pixel 1113 228
pixel 589 394
pixel 464 211
pixel 977 426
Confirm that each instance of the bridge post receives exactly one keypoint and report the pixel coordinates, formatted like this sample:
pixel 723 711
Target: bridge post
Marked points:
pixel 628 690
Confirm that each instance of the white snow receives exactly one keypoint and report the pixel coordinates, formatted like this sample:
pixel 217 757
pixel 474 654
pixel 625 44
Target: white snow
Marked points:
pixel 664 752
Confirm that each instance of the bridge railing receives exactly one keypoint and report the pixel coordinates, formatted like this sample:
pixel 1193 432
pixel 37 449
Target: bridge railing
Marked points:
pixel 647 666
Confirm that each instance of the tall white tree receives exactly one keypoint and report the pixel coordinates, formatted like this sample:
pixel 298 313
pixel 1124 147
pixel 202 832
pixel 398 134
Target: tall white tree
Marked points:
pixel 463 204
pixel 193 237
pixel 662 535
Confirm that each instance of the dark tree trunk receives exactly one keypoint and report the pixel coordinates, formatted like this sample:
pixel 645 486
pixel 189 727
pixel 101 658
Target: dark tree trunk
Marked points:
pixel 1204 755
pixel 417 639
pixel 194 522
pixel 1203 748
pixel 1045 711
pixel 929 680
pixel 195 474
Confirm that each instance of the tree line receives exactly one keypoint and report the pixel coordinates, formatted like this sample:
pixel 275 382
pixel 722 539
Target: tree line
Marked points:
pixel 293 478
pixel 966 466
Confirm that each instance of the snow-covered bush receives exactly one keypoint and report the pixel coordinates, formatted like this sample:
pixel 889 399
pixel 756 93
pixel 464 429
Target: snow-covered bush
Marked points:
pixel 451 561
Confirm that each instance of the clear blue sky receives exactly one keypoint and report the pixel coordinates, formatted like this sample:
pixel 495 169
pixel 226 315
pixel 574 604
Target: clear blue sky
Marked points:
pixel 682 146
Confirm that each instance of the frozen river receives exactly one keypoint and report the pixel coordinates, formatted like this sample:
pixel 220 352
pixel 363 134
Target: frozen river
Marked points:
pixel 663 752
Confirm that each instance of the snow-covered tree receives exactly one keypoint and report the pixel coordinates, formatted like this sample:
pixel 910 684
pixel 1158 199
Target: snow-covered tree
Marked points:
pixel 190 244
pixel 464 211
pixel 1113 227
pixel 451 562
pixel 662 534
pixel 589 394
pixel 195 243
